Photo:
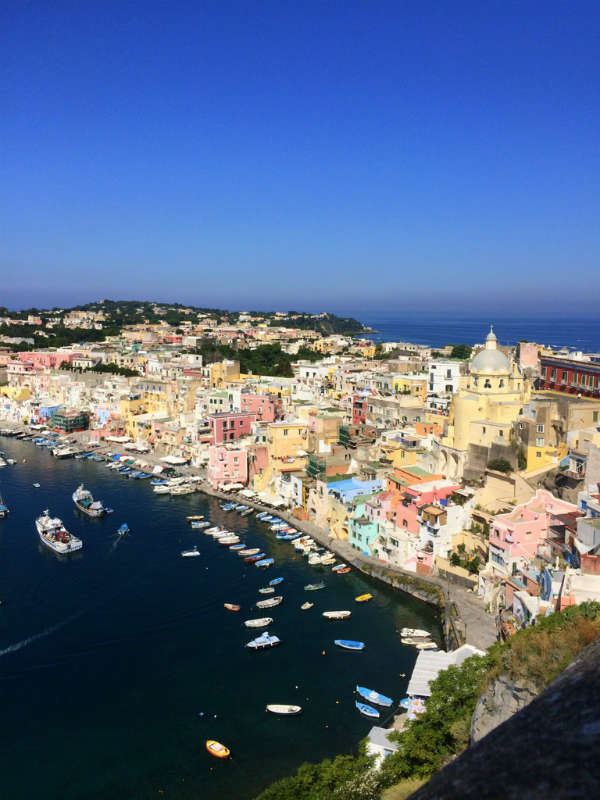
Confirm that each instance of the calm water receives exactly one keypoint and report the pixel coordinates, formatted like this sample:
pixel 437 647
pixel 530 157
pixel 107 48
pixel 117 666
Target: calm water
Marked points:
pixel 107 658
pixel 436 330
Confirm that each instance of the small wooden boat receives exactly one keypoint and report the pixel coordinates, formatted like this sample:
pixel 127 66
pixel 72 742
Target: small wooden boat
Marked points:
pixel 247 512
pixel 312 587
pixel 217 749
pixel 249 551
pixel 260 622
pixel 264 641
pixel 275 581
pixel 253 559
pixel 237 547
pixel 36 485
pixel 306 606
pixel 342 571
pixel 267 590
pixel 368 711
pixel 336 614
pixel 194 517
pixel 276 708
pixel 364 598
pixel 426 646
pixel 231 607
pixel 265 562
pixel 349 644
pixel 271 602
pixel 415 633
pixel 374 697
pixel 338 567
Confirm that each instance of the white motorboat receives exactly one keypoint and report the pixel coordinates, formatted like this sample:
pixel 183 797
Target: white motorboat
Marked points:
pixel 193 553
pixel 54 535
pixel 184 488
pixel 261 622
pixel 337 614
pixel 162 489
pixel 277 708
pixel 415 633
pixel 264 641
pixel 270 603
pixel 267 590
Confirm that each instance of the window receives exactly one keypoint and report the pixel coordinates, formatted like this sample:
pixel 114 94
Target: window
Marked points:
pixel 539 442
pixel 285 432
pixel 538 454
pixel 501 383
pixel 595 416
pixel 501 433
pixel 554 374
pixel 540 428
pixel 564 376
pixel 487 384
pixel 483 428
pixel 404 523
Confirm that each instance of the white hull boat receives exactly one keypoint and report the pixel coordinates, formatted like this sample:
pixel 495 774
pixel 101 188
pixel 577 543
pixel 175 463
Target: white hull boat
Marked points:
pixel 261 622
pixel 54 535
pixel 415 633
pixel 277 708
pixel 337 614
pixel 270 603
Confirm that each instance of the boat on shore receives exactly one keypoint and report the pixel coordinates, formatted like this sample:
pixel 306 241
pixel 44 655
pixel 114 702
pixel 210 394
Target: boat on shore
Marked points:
pixel 54 535
pixel 277 708
pixel 349 644
pixel 264 641
pixel 336 614
pixel 271 602
pixel 367 710
pixel 374 697
pixel 84 501
pixel 217 749
pixel 259 622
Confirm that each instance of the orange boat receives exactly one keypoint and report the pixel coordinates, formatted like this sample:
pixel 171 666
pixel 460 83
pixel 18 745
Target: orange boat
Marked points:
pixel 231 607
pixel 217 749
pixel 343 571
pixel 363 598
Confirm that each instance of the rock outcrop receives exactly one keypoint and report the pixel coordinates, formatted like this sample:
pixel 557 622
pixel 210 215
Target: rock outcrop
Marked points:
pixel 502 698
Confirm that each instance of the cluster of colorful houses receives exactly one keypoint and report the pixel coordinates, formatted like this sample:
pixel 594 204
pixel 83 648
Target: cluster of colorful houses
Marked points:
pixel 485 471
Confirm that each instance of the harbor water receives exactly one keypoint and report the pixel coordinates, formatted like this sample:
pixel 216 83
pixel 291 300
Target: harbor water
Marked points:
pixel 118 663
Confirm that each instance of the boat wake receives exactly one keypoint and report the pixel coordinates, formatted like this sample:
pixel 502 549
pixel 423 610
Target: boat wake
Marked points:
pixel 12 648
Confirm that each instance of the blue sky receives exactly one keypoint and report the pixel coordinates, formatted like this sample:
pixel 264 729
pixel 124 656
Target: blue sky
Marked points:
pixel 339 155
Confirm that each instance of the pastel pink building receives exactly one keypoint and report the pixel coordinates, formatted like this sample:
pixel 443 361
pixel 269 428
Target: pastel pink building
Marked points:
pixel 226 466
pixel 515 536
pixel 265 407
pixel 47 360
pixel 228 426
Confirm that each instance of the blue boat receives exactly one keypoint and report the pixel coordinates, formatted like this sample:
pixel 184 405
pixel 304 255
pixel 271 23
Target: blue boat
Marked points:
pixel 264 562
pixel 368 711
pixel 349 644
pixel 275 581
pixel 239 546
pixel 374 697
pixel 123 530
pixel 405 702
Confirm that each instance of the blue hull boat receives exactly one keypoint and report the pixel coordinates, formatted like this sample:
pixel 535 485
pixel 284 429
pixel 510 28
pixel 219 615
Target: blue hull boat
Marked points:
pixel 264 562
pixel 368 711
pixel 374 697
pixel 275 581
pixel 349 644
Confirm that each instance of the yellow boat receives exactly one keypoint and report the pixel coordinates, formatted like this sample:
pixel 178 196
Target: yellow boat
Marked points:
pixel 362 598
pixel 217 749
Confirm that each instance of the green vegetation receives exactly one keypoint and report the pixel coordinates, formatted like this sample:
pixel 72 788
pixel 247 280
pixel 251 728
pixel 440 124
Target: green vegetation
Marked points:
pixel 462 351
pixel 535 656
pixel 325 324
pixel 113 369
pixel 500 465
pixel 266 359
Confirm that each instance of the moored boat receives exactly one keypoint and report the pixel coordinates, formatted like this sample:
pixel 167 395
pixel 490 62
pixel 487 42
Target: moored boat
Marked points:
pixel 312 587
pixel 264 641
pixel 267 590
pixel 85 502
pixel 415 633
pixel 249 551
pixel 306 606
pixel 336 614
pixel 374 697
pixel 349 644
pixel 265 562
pixel 271 602
pixel 363 598
pixel 217 749
pixel 343 571
pixel 255 558
pixel 260 622
pixel 275 581
pixel 193 553
pixel 367 710
pixel 54 535
pixel 231 607
pixel 278 708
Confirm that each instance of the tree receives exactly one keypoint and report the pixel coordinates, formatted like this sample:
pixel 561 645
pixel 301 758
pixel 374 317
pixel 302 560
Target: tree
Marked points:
pixel 462 351
pixel 455 560
pixel 500 465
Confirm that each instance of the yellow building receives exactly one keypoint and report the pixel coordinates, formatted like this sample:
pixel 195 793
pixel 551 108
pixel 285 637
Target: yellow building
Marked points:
pixel 223 371
pixel 286 443
pixel 415 385
pixel 482 414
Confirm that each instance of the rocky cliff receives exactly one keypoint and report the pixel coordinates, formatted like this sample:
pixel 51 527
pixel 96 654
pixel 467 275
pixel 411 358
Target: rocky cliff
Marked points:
pixel 502 698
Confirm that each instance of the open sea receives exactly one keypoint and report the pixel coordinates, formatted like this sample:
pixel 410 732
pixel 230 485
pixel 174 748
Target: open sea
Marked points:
pixel 117 663
pixel 436 330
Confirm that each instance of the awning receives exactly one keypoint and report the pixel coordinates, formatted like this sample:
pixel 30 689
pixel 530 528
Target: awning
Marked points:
pixel 175 460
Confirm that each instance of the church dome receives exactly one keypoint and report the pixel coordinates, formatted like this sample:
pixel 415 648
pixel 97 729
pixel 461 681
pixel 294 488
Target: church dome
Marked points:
pixel 490 359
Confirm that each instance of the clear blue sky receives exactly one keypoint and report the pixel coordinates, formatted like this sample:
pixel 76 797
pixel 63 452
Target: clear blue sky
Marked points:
pixel 338 155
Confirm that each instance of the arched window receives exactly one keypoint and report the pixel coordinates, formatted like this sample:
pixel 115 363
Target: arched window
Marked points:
pixel 487 384
pixel 501 383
